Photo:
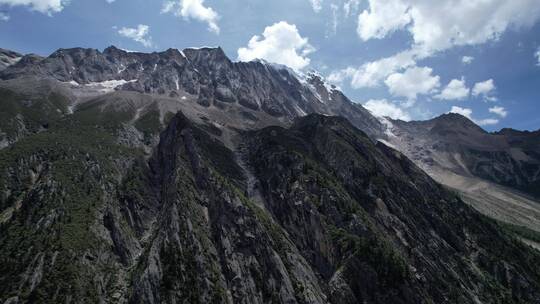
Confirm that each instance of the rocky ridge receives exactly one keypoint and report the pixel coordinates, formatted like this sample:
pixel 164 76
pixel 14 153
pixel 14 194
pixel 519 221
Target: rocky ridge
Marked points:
pixel 120 188
pixel 205 75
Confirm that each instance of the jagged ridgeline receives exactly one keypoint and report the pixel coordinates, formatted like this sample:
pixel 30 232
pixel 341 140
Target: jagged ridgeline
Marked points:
pixel 165 196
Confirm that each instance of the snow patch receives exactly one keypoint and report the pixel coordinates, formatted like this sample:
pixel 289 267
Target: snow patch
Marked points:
pixel 108 85
pixel 128 51
pixel 329 87
pixel 15 60
pixel 201 47
pixel 299 110
pixel 279 67
pixel 313 90
pixel 71 108
pixel 122 68
pixel 389 126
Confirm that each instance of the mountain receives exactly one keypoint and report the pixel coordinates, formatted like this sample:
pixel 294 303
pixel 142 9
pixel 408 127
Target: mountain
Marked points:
pixel 205 76
pixel 508 157
pixel 239 185
pixel 8 58
pixel 498 173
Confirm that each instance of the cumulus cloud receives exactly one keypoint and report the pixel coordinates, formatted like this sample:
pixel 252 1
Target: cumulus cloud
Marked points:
pixel 462 111
pixel 455 90
pixel 43 6
pixel 468 113
pixel 140 34
pixel 485 89
pixel 4 17
pixel 370 74
pixel 439 25
pixel 280 43
pixel 467 59
pixel 501 111
pixel 193 9
pixel 412 82
pixel 434 26
pixel 384 16
pixel 537 55
pixel 385 108
pixel 316 5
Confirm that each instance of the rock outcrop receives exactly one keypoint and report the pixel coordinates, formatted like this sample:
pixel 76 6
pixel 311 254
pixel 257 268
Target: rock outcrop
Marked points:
pixel 183 177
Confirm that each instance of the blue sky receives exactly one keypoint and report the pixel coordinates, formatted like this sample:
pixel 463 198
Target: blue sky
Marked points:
pixel 408 59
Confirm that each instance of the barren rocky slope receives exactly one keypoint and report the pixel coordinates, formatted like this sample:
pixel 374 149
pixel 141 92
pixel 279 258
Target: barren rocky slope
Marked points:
pixel 118 186
pixel 498 173
pixel 509 157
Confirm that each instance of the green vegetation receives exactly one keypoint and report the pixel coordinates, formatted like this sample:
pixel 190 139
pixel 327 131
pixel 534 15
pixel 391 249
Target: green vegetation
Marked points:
pixel 149 124
pixel 61 179
pixel 389 265
pixel 218 156
pixel 25 113
pixel 100 115
pixel 521 231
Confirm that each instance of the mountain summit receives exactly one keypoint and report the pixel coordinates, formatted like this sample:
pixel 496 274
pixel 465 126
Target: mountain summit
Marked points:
pixel 204 75
pixel 182 176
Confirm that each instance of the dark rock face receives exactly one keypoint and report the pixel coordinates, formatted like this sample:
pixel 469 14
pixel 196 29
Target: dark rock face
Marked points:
pixel 509 157
pixel 372 223
pixel 123 199
pixel 338 220
pixel 206 74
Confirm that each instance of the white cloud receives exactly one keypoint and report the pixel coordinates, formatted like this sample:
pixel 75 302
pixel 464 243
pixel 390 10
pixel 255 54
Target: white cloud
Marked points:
pixel 487 121
pixel 316 5
pixel 462 111
pixel 43 6
pixel 485 89
pixel 370 74
pixel 337 77
pixel 4 17
pixel 434 26
pixel 139 34
pixel 439 25
pixel 537 55
pixel 110 1
pixel 501 111
pixel 412 82
pixel 468 113
pixel 467 59
pixel 280 43
pixel 384 16
pixel 350 6
pixel 455 90
pixel 335 19
pixel 385 108
pixel 193 9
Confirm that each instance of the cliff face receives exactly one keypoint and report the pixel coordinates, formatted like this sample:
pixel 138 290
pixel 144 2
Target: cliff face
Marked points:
pixel 203 75
pixel 497 173
pixel 509 157
pixel 115 194
pixel 311 214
